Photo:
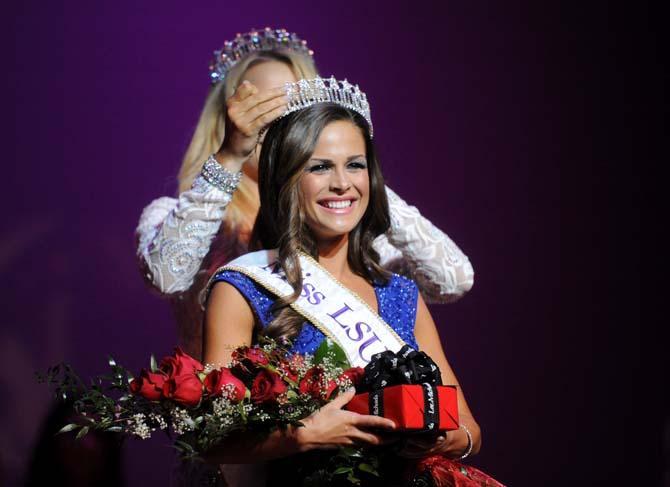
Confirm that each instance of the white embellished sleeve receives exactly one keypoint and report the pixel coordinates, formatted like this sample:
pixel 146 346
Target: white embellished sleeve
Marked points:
pixel 174 235
pixel 415 247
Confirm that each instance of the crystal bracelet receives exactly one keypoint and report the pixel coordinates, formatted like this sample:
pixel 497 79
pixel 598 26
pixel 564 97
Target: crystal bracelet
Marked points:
pixel 219 177
pixel 468 449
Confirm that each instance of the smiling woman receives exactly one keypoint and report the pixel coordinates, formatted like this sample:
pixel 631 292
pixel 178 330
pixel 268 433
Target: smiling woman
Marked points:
pixel 182 241
pixel 335 186
pixel 317 274
pixel 312 162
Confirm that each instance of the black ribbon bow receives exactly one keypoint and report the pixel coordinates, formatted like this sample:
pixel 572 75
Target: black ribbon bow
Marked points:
pixel 407 366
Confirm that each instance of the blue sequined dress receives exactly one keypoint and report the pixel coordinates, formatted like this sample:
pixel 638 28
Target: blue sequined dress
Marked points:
pixel 396 302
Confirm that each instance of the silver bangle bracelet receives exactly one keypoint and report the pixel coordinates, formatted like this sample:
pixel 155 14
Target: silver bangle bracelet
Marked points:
pixel 468 449
pixel 219 177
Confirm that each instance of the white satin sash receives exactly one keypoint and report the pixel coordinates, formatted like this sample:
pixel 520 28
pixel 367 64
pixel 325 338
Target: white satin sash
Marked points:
pixel 337 312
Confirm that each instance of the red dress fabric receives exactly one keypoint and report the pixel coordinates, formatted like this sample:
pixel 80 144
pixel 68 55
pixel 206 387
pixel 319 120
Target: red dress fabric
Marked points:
pixel 450 473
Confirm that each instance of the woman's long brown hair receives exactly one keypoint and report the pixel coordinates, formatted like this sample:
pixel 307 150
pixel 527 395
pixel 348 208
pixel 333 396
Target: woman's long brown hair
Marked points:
pixel 288 145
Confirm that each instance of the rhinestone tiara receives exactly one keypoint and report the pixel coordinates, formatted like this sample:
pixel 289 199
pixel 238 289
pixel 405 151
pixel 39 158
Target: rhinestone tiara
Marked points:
pixel 307 92
pixel 255 40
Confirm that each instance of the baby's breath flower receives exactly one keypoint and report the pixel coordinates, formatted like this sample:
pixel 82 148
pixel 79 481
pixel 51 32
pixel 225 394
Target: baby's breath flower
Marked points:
pixel 159 420
pixel 222 406
pixel 181 421
pixel 208 368
pixel 264 417
pixel 228 391
pixel 282 399
pixel 344 382
pixel 138 427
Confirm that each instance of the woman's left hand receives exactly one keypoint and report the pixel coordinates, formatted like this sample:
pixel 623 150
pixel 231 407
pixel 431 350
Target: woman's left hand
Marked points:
pixel 421 446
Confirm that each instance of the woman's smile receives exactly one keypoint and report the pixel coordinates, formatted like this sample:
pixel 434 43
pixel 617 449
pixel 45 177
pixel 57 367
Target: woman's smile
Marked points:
pixel 336 185
pixel 338 206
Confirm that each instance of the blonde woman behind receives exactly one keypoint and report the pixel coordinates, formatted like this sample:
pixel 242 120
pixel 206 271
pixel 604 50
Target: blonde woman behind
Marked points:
pixel 175 235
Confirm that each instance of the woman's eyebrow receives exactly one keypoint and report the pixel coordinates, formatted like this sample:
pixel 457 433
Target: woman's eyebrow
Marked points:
pixel 350 158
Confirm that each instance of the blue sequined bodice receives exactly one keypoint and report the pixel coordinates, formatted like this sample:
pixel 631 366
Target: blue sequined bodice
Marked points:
pixel 396 303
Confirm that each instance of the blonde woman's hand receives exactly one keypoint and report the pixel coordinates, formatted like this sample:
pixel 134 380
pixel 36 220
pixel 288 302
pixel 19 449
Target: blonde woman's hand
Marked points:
pixel 331 427
pixel 247 112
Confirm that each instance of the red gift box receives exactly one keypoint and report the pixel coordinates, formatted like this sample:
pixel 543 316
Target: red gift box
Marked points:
pixel 404 404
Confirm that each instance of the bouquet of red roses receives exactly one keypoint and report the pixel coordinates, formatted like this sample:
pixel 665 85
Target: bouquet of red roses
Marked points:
pixel 263 388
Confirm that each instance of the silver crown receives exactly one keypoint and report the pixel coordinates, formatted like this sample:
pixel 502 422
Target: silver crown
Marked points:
pixel 255 40
pixel 307 92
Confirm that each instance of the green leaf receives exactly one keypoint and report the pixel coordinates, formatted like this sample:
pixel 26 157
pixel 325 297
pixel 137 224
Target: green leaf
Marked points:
pixel 342 470
pixel 366 467
pixel 321 352
pixel 332 350
pixel 291 394
pixel 68 427
pixel 82 432
pixel 352 452
pixel 153 364
pixel 243 413
pixel 184 446
pixel 353 479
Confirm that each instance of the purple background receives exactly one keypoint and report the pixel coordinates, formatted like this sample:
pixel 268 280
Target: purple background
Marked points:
pixel 508 125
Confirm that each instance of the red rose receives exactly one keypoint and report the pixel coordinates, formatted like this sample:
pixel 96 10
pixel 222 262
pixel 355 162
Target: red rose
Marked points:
pixel 296 362
pixel 251 356
pixel 247 362
pixel 239 353
pixel 217 379
pixel 242 372
pixel 330 388
pixel 355 375
pixel 180 363
pixel 310 383
pixel 257 356
pixel 185 389
pixel 267 385
pixel 287 370
pixel 314 383
pixel 148 385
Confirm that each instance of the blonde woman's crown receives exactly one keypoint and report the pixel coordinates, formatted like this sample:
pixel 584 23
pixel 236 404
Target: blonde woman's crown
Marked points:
pixel 307 92
pixel 256 40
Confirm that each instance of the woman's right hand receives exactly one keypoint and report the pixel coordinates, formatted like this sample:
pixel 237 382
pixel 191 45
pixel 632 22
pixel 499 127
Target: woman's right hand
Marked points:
pixel 332 427
pixel 248 111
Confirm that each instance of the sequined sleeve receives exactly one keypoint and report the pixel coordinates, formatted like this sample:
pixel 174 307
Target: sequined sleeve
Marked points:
pixel 174 235
pixel 416 248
